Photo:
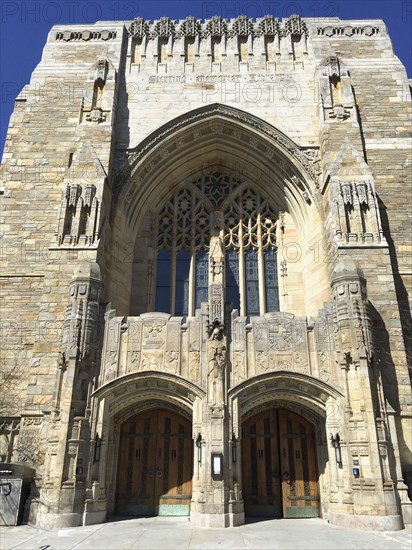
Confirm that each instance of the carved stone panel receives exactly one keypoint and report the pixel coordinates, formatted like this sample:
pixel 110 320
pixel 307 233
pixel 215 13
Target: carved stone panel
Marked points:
pixel 134 344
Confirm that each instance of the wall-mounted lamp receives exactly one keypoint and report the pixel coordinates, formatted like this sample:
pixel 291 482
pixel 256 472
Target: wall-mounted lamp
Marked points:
pixel 234 449
pixel 335 441
pixel 97 448
pixel 199 448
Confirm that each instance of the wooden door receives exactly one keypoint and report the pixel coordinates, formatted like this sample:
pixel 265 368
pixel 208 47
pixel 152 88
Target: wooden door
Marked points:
pixel 260 464
pixel 279 476
pixel 300 494
pixel 155 465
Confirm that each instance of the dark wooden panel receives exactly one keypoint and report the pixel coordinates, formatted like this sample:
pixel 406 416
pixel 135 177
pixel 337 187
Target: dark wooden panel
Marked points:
pixel 155 465
pixel 279 475
pixel 260 466
pixel 300 493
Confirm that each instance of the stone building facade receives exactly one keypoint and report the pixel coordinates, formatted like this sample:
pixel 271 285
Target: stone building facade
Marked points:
pixel 205 273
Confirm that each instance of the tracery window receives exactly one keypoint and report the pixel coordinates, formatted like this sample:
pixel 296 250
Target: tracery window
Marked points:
pixel 183 230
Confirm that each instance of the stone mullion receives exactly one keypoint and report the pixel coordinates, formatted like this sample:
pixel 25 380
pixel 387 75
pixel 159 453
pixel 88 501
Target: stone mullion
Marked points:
pixel 192 268
pixel 173 254
pixel 192 282
pixel 261 268
pixel 242 281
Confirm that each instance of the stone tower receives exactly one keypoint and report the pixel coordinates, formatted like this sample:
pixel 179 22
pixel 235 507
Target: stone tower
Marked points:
pixel 205 273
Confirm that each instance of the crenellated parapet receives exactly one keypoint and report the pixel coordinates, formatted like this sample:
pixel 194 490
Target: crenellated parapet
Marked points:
pixel 217 26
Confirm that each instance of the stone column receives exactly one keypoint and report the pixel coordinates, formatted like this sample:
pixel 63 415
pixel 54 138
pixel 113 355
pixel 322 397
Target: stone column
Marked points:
pixel 213 508
pixel 64 487
pixel 370 497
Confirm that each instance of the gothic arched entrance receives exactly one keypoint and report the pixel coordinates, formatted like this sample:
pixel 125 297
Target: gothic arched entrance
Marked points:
pixel 155 465
pixel 279 469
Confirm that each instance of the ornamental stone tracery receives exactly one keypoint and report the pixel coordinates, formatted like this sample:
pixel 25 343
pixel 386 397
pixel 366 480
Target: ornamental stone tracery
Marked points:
pixel 248 220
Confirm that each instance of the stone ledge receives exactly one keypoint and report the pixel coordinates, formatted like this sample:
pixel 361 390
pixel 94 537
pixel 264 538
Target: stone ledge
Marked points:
pixel 58 521
pixel 368 523
pixel 216 521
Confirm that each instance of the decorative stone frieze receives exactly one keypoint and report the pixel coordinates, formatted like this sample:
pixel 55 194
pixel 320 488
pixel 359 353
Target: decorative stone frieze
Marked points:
pixel 349 31
pixel 67 36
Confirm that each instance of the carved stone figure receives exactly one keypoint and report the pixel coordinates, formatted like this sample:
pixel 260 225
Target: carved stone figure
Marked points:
pixel 216 358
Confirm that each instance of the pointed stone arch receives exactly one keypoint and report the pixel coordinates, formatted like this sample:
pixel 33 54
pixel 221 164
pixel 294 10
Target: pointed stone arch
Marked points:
pixel 218 135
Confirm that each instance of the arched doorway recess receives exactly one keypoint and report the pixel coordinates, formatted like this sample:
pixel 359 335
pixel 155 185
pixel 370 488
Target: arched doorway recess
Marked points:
pixel 155 464
pixel 279 470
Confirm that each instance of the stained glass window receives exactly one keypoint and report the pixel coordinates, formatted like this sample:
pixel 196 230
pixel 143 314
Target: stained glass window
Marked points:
pixel 252 282
pixel 271 281
pixel 182 283
pixel 183 231
pixel 163 281
pixel 232 279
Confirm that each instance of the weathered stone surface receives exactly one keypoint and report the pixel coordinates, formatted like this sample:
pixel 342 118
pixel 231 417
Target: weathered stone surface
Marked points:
pixel 214 136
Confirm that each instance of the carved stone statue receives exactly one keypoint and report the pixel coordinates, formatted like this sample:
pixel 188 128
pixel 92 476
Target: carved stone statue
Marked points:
pixel 216 356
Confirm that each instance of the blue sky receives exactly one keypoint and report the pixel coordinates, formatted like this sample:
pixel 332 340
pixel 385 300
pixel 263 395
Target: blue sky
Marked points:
pixel 24 26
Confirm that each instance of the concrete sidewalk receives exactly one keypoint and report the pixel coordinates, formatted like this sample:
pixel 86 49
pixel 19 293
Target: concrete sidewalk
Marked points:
pixel 176 533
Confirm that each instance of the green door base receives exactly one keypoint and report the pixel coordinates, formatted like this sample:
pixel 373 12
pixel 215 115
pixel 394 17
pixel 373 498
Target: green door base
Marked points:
pixel 173 510
pixel 301 512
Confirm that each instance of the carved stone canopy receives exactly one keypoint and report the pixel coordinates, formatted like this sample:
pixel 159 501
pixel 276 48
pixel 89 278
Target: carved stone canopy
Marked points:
pixel 216 330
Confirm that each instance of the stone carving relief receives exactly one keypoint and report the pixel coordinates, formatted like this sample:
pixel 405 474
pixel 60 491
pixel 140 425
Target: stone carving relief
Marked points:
pixel 139 27
pixel 82 314
pixel 27 448
pixel 99 98
pixel 217 26
pixel 268 26
pixel 189 27
pixel 354 336
pixel 335 89
pixel 294 25
pixel 153 334
pixel 348 31
pixel 194 366
pixel 238 367
pixel 86 35
pixel 172 361
pixel 286 335
pixel 355 216
pixel 79 212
